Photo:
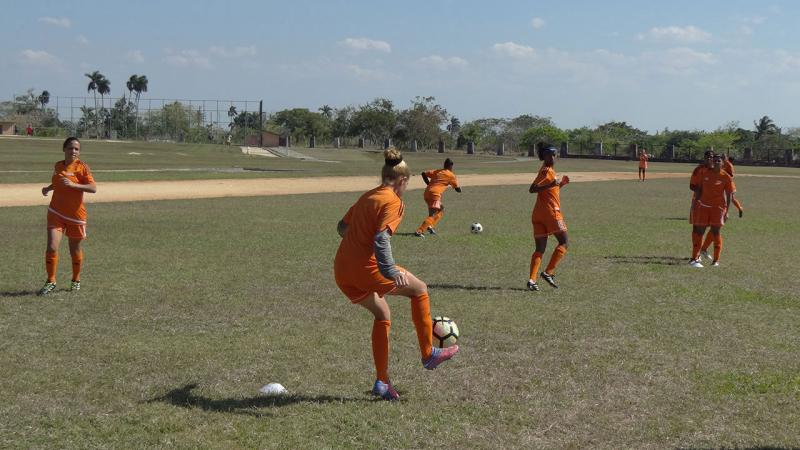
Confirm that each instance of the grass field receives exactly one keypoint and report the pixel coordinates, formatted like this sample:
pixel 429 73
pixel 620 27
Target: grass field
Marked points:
pixel 188 307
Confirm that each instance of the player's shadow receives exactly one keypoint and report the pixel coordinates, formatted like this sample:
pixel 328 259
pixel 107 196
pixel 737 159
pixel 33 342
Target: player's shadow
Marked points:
pixel 685 219
pixel 16 294
pixel 658 260
pixel 405 234
pixel 473 288
pixel 251 406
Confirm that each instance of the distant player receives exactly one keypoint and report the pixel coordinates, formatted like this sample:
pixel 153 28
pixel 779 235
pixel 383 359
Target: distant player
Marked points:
pixel 438 181
pixel 365 270
pixel 546 217
pixel 67 213
pixel 643 158
pixel 713 190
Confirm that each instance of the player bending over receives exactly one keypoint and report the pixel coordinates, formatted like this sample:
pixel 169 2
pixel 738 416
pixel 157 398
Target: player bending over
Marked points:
pixel 438 181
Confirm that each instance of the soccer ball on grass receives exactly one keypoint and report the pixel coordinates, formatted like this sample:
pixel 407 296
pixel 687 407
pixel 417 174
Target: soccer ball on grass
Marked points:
pixel 476 228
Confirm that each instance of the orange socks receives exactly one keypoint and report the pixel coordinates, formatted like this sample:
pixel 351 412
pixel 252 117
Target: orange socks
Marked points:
pixel 437 217
pixel 697 242
pixel 380 348
pixel 77 261
pixel 51 264
pixel 707 241
pixel 717 246
pixel 425 224
pixel 558 253
pixel 536 261
pixel 421 316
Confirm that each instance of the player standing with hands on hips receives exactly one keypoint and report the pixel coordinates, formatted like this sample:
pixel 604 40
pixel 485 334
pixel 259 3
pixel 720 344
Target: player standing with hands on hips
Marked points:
pixel 546 217
pixel 67 213
pixel 365 270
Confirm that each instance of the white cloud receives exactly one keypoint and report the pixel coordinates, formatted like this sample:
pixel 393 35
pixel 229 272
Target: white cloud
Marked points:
pixel 366 44
pixel 364 74
pixel 83 40
pixel 135 56
pixel 38 58
pixel 685 35
pixel 234 52
pixel 187 58
pixel 437 62
pixel 678 61
pixel 538 23
pixel 514 50
pixel 62 22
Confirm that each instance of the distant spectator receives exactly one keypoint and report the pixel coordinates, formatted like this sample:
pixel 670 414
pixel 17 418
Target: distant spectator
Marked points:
pixel 29 130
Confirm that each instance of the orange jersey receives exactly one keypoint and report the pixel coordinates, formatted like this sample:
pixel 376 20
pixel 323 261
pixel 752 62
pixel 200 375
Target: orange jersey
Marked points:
pixel 713 188
pixel 67 202
pixel 548 202
pixel 440 180
pixel 643 161
pixel 727 166
pixel 376 210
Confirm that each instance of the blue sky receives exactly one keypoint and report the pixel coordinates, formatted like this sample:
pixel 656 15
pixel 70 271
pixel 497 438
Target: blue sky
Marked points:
pixel 677 64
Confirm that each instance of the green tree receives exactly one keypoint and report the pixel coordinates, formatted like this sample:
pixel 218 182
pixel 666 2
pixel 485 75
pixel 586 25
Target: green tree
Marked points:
pixel 542 133
pixel 375 120
pixel 44 99
pixel 423 122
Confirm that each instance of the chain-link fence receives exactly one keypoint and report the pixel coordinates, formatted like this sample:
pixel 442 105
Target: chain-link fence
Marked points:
pixel 152 119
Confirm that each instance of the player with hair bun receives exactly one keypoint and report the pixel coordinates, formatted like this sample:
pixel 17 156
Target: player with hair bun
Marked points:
pixel 546 217
pixel 365 270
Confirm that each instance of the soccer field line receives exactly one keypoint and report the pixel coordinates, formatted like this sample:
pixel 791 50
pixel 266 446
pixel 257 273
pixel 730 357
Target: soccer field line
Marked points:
pixel 29 194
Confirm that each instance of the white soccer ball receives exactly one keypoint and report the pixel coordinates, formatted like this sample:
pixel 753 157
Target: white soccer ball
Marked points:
pixel 476 228
pixel 445 332
pixel 273 389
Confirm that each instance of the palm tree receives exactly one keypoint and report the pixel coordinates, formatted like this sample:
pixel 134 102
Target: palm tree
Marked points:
pixel 131 84
pixel 140 86
pixel 454 126
pixel 94 78
pixel 326 111
pixel 44 99
pixel 764 126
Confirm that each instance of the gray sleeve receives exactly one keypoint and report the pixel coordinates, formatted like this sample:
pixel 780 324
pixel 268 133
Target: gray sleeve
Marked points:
pixel 383 253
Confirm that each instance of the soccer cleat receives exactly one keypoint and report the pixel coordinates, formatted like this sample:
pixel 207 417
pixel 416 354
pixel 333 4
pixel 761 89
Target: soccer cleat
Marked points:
pixel 46 289
pixel 532 286
pixel 75 286
pixel 715 264
pixel 418 234
pixel 695 263
pixel 704 254
pixel 431 231
pixel 438 356
pixel 551 279
pixel 385 391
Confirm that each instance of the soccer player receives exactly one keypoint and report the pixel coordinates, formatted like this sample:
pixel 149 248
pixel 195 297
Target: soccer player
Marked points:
pixel 438 181
pixel 727 166
pixel 643 158
pixel 713 191
pixel 546 217
pixel 365 270
pixel 67 213
pixel 697 174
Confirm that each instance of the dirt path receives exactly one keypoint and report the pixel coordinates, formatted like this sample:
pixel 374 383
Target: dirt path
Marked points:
pixel 29 194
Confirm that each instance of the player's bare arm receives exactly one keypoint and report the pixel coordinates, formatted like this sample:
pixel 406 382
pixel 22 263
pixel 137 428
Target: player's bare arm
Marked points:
pixel 536 188
pixel 425 179
pixel 47 189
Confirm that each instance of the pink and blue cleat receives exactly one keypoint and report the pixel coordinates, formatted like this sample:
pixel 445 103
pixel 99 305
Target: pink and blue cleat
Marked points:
pixel 438 356
pixel 385 391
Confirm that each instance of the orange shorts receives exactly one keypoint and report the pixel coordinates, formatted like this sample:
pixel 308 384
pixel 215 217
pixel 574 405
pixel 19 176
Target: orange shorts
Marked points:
pixel 359 283
pixel 643 166
pixel 544 226
pixel 71 228
pixel 434 201
pixel 708 216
